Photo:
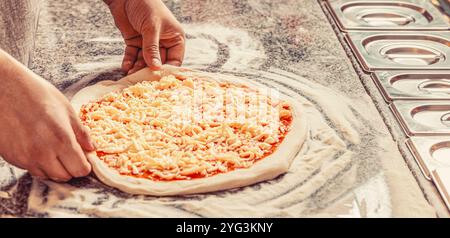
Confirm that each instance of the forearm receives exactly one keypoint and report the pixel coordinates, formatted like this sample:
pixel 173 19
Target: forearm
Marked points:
pixel 14 76
pixel 9 68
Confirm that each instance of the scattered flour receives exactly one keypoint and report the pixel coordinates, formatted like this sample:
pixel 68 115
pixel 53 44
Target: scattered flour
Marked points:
pixel 329 177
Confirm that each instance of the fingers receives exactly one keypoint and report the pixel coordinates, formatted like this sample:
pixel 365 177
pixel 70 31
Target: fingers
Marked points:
pixel 38 173
pixel 130 56
pixel 163 54
pixel 83 138
pixel 68 160
pixel 54 170
pixel 81 134
pixel 72 157
pixel 150 48
pixel 74 160
pixel 139 64
pixel 175 54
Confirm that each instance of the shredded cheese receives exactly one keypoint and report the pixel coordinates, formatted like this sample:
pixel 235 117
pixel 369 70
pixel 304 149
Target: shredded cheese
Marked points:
pixel 185 128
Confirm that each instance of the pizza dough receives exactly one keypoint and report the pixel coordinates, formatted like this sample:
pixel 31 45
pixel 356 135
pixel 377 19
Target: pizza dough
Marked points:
pixel 267 168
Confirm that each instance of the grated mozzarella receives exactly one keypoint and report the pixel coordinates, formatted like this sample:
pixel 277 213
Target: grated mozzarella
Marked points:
pixel 184 128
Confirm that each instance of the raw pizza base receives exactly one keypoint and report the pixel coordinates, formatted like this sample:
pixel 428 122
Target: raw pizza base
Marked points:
pixel 265 169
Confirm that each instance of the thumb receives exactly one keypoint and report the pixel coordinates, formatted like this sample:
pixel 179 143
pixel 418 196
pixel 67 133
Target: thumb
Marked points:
pixel 82 135
pixel 150 48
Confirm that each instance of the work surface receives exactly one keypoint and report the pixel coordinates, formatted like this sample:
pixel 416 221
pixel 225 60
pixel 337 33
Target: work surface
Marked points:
pixel 350 166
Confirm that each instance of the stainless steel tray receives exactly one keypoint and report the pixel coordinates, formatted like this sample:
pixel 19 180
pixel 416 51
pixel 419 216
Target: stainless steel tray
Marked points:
pixel 424 117
pixel 441 178
pixel 430 152
pixel 413 85
pixel 401 50
pixel 386 15
pixel 433 157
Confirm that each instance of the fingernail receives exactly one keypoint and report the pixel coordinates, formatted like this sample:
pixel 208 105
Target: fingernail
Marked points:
pixel 156 62
pixel 174 62
pixel 93 145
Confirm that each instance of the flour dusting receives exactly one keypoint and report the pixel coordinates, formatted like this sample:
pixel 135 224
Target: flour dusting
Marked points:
pixel 332 174
pixel 349 166
pixel 324 159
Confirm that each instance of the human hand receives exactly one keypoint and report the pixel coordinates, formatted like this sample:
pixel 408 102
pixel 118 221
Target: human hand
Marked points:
pixel 152 35
pixel 39 130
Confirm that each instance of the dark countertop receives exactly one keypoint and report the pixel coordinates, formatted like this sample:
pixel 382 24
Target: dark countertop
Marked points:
pixel 77 44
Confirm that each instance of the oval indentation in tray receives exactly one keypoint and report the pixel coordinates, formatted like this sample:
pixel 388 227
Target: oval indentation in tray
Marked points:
pixel 400 50
pixel 421 84
pixel 432 115
pixel 438 86
pixel 423 117
pixel 411 51
pixel 441 152
pixel 412 54
pixel 386 14
pixel 404 15
pixel 385 19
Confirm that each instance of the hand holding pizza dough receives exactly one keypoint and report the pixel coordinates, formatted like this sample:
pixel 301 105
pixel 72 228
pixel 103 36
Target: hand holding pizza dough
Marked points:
pixel 39 129
pixel 152 35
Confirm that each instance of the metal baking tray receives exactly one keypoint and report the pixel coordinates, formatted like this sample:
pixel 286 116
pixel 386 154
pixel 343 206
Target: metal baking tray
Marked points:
pixel 413 85
pixel 441 178
pixel 386 15
pixel 401 50
pixel 430 152
pixel 423 117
